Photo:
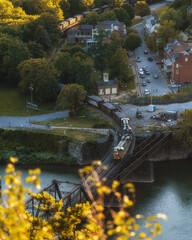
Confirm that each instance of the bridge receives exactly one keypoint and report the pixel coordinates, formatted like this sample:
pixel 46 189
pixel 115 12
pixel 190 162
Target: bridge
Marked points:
pixel 76 193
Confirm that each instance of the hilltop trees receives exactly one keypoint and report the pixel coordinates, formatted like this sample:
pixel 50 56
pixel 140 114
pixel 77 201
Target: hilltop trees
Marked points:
pixel 43 78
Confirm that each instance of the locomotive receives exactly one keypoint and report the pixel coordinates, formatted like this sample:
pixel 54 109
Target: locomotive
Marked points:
pixel 123 146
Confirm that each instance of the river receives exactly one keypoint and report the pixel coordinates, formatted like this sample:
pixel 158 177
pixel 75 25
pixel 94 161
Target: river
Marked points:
pixel 171 193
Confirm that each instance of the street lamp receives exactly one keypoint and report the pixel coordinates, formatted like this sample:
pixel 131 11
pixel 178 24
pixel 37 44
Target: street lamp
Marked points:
pixel 31 89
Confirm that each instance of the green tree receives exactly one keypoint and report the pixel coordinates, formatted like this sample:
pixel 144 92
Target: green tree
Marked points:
pixel 184 131
pixel 12 52
pixel 165 31
pixel 99 51
pixel 151 43
pixel 91 18
pixel 109 15
pixel 114 45
pixel 71 97
pixel 122 16
pixel 119 66
pixel 36 50
pixel 42 76
pixel 75 69
pixel 132 41
pixel 174 15
pixel 142 9
pixel 129 9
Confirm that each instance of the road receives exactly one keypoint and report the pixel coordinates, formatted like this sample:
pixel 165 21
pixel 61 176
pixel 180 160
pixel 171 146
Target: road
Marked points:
pixel 158 86
pixel 24 122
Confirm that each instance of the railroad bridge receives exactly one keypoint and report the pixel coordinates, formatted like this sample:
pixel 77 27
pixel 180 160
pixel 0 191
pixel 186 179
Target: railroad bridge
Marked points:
pixel 76 193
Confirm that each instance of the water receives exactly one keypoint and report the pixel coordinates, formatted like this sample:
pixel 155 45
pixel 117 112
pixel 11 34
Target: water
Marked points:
pixel 171 193
pixel 48 173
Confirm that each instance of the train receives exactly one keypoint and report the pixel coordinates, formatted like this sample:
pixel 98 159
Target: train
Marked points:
pixel 70 22
pixel 122 148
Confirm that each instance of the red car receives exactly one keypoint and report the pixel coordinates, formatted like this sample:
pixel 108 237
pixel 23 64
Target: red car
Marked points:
pixel 159 62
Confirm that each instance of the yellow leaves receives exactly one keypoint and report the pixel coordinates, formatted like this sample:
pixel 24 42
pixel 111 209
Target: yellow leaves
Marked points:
pixel 142 235
pixel 10 168
pixel 115 184
pixel 161 215
pixel 13 160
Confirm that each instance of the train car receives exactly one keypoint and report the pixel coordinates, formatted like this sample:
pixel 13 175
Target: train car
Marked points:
pixel 97 10
pixel 94 101
pixel 63 25
pixel 125 124
pixel 122 148
pixel 71 20
pixel 118 116
pixel 108 108
pixel 105 8
pixel 78 17
pixel 86 13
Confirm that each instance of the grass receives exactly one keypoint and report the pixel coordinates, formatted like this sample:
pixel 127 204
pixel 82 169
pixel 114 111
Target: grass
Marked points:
pixel 13 103
pixel 87 118
pixel 135 21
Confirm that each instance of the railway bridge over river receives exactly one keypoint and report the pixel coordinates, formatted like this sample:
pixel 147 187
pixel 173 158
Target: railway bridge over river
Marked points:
pixel 76 193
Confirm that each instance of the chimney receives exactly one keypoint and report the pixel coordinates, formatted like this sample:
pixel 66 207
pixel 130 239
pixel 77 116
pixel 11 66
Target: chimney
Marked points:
pixel 105 77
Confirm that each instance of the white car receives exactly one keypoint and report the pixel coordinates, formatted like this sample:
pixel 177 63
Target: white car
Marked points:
pixel 147 92
pixel 155 76
pixel 141 71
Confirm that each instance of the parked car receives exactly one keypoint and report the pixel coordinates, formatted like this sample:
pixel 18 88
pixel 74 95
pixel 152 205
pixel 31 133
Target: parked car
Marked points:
pixel 141 71
pixel 138 59
pixel 145 52
pixel 142 75
pixel 147 72
pixel 147 92
pixel 148 80
pixel 155 76
pixel 160 62
pixel 144 68
pixel 144 84
pixel 150 59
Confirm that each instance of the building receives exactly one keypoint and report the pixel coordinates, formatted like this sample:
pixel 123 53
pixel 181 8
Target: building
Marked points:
pixel 110 26
pixel 106 86
pixel 84 33
pixel 178 61
pixel 151 25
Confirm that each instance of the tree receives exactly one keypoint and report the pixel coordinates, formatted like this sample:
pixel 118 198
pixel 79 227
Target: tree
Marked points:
pixel 122 16
pixel 142 9
pixel 132 41
pixel 75 69
pixel 165 31
pixel 184 132
pixel 84 221
pixel 99 51
pixel 174 15
pixel 151 42
pixel 71 97
pixel 114 45
pixel 91 18
pixel 119 66
pixel 109 15
pixel 36 50
pixel 129 9
pixel 42 76
pixel 12 52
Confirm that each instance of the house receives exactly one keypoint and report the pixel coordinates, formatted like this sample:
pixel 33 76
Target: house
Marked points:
pixel 110 26
pixel 106 86
pixel 178 61
pixel 151 25
pixel 84 33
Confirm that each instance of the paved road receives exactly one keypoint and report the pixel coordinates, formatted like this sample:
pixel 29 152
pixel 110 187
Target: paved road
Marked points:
pixel 24 122
pixel 158 86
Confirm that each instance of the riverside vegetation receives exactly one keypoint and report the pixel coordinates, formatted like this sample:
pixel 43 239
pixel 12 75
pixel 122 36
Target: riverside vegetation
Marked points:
pixel 84 221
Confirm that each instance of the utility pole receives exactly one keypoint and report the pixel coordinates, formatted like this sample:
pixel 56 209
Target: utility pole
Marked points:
pixel 31 89
pixel 151 93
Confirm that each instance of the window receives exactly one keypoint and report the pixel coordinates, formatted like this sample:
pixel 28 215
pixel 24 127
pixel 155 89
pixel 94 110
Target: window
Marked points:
pixel 114 90
pixel 177 71
pixel 101 92
pixel 107 91
pixel 177 65
pixel 186 59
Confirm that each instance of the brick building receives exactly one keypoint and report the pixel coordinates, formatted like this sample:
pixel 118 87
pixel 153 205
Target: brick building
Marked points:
pixel 106 86
pixel 178 61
